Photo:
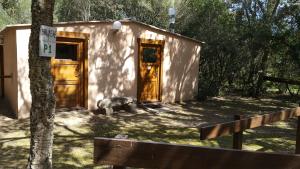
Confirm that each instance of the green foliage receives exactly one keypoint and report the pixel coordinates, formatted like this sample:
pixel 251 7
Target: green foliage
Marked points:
pixel 4 18
pixel 244 39
pixel 14 11
pixel 152 12
pixel 211 22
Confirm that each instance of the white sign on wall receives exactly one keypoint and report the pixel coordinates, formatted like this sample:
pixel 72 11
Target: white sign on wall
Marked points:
pixel 47 41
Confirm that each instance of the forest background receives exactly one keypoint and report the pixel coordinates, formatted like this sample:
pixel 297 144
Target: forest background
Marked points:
pixel 245 40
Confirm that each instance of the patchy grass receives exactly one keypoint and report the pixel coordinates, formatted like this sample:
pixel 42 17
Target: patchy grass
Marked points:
pixel 75 130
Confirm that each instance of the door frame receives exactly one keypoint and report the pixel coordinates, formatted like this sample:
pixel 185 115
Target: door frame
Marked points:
pixel 84 38
pixel 161 44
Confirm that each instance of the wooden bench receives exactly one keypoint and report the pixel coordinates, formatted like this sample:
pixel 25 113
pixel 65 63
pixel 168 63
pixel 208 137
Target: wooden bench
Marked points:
pixel 140 154
pixel 285 81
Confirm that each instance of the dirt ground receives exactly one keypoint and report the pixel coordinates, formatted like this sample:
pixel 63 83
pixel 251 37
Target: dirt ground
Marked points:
pixel 174 123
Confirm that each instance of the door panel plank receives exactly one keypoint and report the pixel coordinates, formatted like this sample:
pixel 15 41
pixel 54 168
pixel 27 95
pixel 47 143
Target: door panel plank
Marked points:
pixel 66 71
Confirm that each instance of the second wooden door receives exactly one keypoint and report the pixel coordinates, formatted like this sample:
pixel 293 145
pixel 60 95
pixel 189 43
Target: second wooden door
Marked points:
pixel 149 72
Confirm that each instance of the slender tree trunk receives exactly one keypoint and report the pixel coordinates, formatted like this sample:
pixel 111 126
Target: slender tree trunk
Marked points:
pixel 262 72
pixel 41 86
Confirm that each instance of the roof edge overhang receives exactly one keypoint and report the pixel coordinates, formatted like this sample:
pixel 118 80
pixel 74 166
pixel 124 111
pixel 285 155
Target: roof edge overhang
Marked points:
pixel 27 26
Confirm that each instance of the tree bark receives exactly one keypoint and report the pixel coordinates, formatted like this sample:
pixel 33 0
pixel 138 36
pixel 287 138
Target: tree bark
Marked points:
pixel 41 87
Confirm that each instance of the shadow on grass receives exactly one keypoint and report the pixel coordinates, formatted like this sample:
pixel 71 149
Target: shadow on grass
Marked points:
pixel 72 148
pixel 180 125
pixel 279 137
pixel 75 130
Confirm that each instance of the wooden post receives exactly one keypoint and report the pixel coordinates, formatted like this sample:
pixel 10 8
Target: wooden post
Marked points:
pixel 237 142
pixel 119 167
pixel 1 71
pixel 120 136
pixel 298 135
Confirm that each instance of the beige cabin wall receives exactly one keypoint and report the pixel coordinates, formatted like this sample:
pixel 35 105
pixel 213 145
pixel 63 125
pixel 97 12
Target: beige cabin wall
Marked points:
pixel 112 63
pixel 23 81
pixel 180 63
pixel 181 68
pixel 10 68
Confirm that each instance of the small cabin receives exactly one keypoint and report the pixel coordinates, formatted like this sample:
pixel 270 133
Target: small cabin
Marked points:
pixel 94 61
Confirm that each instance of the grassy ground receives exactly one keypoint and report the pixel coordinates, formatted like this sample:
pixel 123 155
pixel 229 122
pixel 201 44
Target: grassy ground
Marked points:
pixel 74 131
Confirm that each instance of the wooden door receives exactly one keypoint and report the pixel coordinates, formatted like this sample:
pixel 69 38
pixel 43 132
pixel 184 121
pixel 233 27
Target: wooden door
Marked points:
pixel 149 86
pixel 67 71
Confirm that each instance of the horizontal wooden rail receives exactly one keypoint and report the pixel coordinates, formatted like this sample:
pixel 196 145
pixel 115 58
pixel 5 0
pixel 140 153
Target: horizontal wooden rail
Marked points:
pixel 236 126
pixel 281 80
pixel 8 76
pixel 119 152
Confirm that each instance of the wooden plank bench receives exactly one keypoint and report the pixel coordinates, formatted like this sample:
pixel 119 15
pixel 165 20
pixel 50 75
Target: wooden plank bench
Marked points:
pixel 140 154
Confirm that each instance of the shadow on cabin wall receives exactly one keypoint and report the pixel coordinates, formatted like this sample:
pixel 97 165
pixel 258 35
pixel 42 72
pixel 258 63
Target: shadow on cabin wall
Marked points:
pixel 112 63
pixel 180 66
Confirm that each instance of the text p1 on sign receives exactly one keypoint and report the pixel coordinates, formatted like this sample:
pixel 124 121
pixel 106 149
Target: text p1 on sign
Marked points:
pixel 47 41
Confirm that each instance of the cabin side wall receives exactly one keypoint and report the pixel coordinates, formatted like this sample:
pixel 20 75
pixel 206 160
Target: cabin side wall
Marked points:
pixel 180 63
pixel 181 68
pixel 113 61
pixel 10 68
pixel 23 81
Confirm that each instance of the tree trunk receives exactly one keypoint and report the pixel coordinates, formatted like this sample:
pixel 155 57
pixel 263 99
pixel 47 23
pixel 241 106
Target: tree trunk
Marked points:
pixel 261 73
pixel 41 87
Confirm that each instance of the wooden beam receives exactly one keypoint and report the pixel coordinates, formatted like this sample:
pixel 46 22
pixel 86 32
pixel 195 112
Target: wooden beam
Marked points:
pixel 229 128
pixel 297 150
pixel 281 80
pixel 7 76
pixel 119 167
pixel 161 155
